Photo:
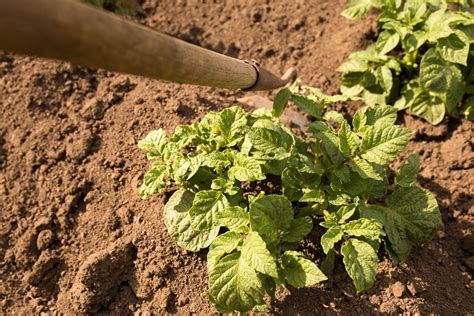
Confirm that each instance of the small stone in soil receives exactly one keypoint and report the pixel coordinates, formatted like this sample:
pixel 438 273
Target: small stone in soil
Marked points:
pixel 44 239
pixel 416 286
pixel 397 289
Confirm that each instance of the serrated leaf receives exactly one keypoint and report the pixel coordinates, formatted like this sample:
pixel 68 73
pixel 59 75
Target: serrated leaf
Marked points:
pixel 154 142
pixel 233 217
pixel 205 207
pixel 269 142
pixel 221 246
pixel 154 180
pixel 254 251
pixel 270 216
pixel 234 285
pixel 299 228
pixel 330 238
pixel 381 115
pixel 280 102
pixel 408 173
pixel 360 260
pixel 410 215
pixel 231 122
pixel 245 169
pixel 215 160
pixel 365 169
pixel 348 140
pixel 359 121
pixel 382 143
pixel 299 271
pixel 178 223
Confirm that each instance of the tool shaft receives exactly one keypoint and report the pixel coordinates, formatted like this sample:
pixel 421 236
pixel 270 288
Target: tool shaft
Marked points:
pixel 76 32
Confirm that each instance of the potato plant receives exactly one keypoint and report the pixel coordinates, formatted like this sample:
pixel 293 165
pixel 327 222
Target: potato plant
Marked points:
pixel 422 60
pixel 250 190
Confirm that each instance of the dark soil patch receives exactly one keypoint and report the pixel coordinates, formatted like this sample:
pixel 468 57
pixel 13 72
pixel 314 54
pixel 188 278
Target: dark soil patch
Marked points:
pixel 75 236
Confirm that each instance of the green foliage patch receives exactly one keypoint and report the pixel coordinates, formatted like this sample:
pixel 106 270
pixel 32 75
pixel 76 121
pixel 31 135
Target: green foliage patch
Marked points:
pixel 422 60
pixel 250 191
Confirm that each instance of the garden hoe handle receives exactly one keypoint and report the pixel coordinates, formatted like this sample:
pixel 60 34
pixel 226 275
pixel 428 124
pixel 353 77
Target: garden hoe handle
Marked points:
pixel 79 33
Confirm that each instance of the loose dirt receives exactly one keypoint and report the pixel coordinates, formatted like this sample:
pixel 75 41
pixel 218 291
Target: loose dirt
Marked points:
pixel 76 238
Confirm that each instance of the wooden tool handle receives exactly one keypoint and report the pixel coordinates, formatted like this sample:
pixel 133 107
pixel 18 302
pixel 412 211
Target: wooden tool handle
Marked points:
pixel 76 32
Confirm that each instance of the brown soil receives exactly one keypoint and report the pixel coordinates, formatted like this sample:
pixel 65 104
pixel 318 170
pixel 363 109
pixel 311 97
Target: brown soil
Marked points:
pixel 75 236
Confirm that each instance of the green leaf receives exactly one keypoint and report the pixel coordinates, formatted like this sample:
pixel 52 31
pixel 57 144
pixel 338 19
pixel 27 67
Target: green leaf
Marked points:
pixel 360 260
pixel 454 48
pixel 330 144
pixel 468 30
pixel 215 160
pixel 312 196
pixel 232 122
pixel 254 251
pixel 386 79
pixel 154 180
pixel 330 238
pixel 270 216
pixel 234 285
pixel 178 223
pixel 299 228
pixel 382 143
pixel 222 245
pixel 381 115
pixel 205 207
pixel 430 108
pixel 364 227
pixel 154 142
pixel 307 105
pixel 233 217
pixel 407 174
pixel 334 116
pixel 437 25
pixel 299 271
pixel 365 169
pixel 364 79
pixel 387 41
pixel 441 78
pixel 410 215
pixel 348 140
pixel 357 9
pixel 269 142
pixel 345 212
pixel 280 102
pixel 246 169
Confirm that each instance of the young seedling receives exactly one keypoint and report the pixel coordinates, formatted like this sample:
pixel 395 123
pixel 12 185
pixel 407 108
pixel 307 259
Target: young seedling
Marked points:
pixel 250 190
pixel 423 59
